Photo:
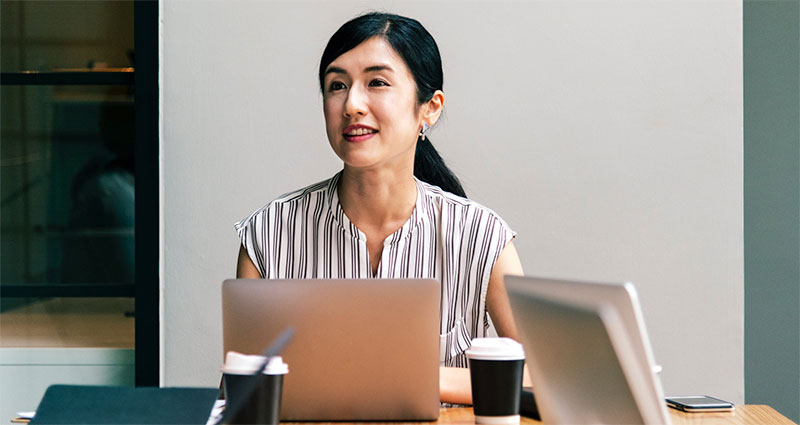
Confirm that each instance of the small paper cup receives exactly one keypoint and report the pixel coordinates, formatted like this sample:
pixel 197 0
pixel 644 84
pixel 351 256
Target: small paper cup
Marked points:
pixel 496 366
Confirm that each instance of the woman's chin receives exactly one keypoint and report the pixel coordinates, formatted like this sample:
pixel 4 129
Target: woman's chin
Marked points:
pixel 359 160
pixel 375 160
pixel 361 165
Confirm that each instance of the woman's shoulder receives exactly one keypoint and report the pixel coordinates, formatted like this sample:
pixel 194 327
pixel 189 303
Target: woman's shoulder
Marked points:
pixel 312 190
pixel 462 214
pixel 466 221
pixel 288 199
pixel 442 197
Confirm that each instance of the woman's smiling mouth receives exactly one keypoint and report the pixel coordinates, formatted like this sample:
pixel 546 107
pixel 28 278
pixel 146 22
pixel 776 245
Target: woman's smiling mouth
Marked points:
pixel 358 133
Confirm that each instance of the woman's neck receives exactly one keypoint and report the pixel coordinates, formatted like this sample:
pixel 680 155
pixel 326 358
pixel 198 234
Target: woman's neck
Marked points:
pixel 377 199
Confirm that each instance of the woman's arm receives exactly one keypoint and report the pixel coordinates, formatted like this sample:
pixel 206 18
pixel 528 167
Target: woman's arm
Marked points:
pixel 454 382
pixel 245 269
pixel 496 297
pixel 454 385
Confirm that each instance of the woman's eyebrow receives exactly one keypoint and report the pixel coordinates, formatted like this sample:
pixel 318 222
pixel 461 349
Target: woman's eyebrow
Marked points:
pixel 335 70
pixel 376 68
pixel 373 68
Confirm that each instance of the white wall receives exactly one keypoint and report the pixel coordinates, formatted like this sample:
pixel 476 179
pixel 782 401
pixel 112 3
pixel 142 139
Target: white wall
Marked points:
pixel 607 133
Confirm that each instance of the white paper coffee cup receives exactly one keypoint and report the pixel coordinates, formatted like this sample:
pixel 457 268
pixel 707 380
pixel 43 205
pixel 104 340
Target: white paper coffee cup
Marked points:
pixel 496 367
pixel 246 364
pixel 263 405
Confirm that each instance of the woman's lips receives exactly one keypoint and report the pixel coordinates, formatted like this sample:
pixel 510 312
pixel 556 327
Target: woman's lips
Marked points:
pixel 360 138
pixel 358 133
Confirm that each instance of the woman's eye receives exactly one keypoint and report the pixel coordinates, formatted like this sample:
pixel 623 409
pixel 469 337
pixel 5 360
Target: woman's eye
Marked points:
pixel 336 85
pixel 378 83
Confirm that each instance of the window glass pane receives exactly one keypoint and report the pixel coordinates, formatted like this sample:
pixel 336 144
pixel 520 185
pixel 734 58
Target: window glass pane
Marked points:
pixel 67 185
pixel 49 35
pixel 67 197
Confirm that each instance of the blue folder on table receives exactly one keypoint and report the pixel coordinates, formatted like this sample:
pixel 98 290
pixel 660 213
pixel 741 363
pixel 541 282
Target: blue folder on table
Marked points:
pixel 80 404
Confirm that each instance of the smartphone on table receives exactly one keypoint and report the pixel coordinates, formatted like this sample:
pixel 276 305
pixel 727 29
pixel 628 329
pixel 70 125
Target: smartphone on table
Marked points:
pixel 699 403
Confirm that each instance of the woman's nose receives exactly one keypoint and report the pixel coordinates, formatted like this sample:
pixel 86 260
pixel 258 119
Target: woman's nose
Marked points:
pixel 355 104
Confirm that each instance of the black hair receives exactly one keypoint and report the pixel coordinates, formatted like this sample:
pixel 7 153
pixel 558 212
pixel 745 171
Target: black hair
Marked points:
pixel 421 54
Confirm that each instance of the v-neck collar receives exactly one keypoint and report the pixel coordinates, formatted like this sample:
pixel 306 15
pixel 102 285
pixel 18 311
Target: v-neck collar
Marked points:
pixel 338 214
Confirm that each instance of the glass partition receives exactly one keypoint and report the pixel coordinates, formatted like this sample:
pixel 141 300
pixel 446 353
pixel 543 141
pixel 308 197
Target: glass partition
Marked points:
pixel 67 197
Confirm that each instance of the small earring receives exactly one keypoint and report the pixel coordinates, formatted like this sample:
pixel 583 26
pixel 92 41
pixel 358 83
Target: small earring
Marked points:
pixel 425 128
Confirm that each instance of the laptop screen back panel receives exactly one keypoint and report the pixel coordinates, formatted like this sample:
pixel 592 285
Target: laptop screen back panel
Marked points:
pixel 583 367
pixel 362 350
pixel 618 322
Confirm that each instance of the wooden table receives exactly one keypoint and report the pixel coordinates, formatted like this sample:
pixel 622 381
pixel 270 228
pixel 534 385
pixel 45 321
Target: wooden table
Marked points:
pixel 743 414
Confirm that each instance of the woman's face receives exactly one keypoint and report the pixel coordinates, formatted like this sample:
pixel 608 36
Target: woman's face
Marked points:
pixel 370 106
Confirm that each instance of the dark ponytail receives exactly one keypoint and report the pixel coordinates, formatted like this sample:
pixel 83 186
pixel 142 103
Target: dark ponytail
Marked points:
pixel 430 167
pixel 421 54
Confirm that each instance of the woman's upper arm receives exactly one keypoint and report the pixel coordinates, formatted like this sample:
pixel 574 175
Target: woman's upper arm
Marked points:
pixel 245 269
pixel 496 296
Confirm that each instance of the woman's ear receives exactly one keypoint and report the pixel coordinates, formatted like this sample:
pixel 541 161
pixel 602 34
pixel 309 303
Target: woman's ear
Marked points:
pixel 433 108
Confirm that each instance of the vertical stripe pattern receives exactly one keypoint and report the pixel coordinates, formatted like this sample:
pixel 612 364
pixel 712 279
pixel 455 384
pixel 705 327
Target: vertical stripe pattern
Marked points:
pixel 305 234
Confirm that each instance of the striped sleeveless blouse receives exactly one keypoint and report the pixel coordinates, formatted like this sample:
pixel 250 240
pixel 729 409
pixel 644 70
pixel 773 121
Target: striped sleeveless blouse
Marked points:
pixel 306 235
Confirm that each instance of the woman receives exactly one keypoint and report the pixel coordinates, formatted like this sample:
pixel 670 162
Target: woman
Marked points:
pixel 395 210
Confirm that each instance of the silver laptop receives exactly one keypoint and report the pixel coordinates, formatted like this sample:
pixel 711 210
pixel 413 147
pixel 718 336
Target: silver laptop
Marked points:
pixel 587 351
pixel 362 349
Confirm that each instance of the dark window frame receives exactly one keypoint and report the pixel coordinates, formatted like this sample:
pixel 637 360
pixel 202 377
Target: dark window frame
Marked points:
pixel 147 249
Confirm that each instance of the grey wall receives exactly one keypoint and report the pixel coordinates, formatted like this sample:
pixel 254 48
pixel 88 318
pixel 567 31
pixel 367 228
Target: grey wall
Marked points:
pixel 772 204
pixel 608 134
